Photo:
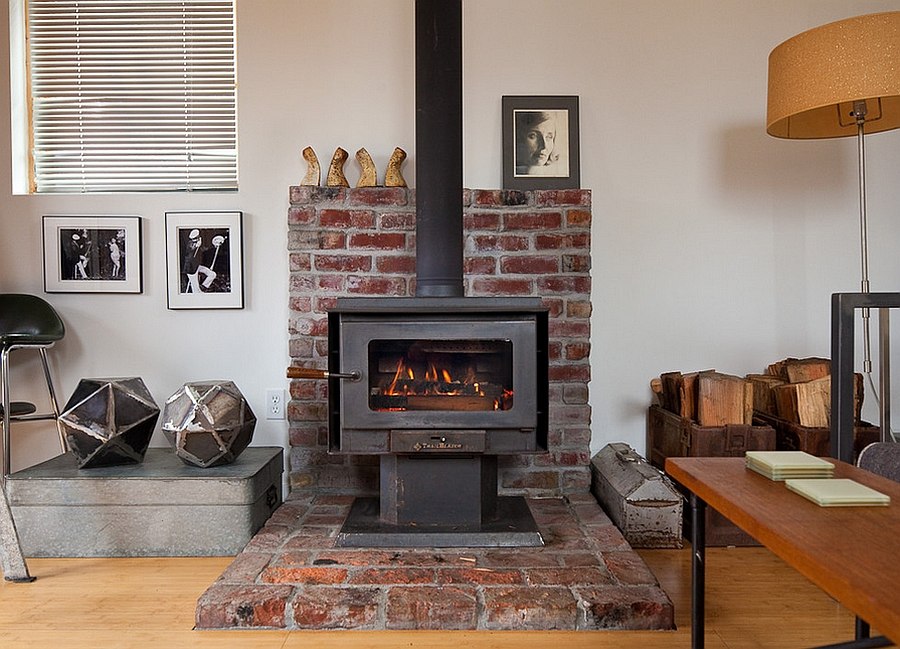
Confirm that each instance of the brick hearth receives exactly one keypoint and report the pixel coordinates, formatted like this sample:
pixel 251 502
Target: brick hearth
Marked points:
pixel 291 576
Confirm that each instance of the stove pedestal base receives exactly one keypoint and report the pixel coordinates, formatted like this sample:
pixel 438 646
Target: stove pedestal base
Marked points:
pixel 512 526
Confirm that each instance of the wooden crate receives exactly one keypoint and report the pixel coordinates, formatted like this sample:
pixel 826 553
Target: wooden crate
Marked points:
pixel 814 440
pixel 669 435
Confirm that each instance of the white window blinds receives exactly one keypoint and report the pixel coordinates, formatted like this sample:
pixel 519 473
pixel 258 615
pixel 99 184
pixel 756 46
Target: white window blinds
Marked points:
pixel 132 95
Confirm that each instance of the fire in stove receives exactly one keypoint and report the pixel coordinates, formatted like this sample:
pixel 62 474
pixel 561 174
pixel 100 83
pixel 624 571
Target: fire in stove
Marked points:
pixel 441 375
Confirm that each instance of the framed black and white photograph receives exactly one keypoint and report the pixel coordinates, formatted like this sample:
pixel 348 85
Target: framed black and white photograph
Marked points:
pixel 92 254
pixel 204 260
pixel 540 142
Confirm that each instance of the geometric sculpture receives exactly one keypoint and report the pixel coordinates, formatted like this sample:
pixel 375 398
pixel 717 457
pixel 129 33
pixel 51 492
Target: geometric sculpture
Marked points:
pixel 208 423
pixel 109 422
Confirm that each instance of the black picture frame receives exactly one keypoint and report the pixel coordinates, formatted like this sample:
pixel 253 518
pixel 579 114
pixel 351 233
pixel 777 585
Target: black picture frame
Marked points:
pixel 527 122
pixel 92 254
pixel 205 260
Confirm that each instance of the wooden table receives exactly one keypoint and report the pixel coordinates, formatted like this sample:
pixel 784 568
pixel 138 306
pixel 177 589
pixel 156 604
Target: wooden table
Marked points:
pixel 852 553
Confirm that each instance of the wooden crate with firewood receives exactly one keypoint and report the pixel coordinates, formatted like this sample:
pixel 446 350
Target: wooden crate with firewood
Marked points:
pixel 794 397
pixel 706 414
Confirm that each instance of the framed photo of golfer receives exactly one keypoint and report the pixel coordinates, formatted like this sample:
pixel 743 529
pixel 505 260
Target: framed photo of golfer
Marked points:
pixel 204 260
pixel 540 142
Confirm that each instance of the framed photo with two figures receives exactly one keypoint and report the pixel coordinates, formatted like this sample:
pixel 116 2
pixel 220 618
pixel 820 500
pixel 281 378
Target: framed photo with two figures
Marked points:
pixel 540 142
pixel 204 260
pixel 92 254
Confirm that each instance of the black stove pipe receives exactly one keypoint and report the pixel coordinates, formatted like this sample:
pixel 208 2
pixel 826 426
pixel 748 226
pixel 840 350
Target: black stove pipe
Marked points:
pixel 439 210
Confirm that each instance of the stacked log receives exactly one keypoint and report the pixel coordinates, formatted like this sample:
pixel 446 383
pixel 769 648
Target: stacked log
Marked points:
pixel 798 390
pixel 708 398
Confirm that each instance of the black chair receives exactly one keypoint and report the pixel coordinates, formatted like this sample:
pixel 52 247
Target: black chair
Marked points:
pixel 26 322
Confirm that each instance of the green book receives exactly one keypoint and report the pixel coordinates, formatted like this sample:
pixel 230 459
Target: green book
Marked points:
pixel 837 492
pixel 781 465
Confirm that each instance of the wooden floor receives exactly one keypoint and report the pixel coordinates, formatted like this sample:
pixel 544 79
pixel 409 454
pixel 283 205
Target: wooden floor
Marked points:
pixel 753 601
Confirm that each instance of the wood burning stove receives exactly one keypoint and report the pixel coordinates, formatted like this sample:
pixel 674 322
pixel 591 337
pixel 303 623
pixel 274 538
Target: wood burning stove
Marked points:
pixel 438 388
pixel 415 366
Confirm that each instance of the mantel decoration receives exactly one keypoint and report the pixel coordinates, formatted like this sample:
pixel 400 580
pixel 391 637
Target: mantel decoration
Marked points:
pixel 204 260
pixel 92 254
pixel 540 142
pixel 841 79
pixel 368 174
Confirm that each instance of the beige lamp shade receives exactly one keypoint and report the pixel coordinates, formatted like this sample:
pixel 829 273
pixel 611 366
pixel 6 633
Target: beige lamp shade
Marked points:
pixel 815 77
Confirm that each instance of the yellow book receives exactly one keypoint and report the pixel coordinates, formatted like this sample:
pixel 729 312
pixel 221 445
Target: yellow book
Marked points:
pixel 837 492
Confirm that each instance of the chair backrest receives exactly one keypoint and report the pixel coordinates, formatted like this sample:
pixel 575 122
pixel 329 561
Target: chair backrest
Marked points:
pixel 28 320
pixel 882 458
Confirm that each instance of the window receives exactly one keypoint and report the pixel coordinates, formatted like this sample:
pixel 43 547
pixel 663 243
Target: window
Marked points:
pixel 131 95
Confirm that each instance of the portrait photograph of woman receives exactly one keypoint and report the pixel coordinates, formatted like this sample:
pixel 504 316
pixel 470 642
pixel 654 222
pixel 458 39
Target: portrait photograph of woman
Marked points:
pixel 540 142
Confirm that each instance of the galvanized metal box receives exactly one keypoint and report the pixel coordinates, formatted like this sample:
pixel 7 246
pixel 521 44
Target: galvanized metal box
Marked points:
pixel 161 507
pixel 638 498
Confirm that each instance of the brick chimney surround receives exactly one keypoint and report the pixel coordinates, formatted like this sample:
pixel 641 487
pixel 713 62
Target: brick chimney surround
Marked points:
pixel 361 242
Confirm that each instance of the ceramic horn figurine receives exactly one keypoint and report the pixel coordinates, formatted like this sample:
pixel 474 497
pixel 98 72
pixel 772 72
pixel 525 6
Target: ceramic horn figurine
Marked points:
pixel 392 176
pixel 367 176
pixel 336 176
pixel 313 174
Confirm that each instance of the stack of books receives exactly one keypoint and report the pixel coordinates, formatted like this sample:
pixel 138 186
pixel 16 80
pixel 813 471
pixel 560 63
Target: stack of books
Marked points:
pixel 783 465
pixel 837 492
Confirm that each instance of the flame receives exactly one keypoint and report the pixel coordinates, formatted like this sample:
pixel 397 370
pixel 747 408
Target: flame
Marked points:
pixel 436 381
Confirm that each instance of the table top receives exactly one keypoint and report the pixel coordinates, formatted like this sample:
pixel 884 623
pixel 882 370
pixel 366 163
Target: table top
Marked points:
pixel 852 553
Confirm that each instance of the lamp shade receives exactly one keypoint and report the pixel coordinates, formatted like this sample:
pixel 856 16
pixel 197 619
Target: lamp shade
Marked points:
pixel 815 77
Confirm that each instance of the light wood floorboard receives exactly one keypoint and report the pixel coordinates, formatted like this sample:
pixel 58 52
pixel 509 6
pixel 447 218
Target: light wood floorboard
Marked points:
pixel 754 602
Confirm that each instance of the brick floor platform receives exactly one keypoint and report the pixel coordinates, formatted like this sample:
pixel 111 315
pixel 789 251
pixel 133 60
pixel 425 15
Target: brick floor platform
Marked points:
pixel 290 575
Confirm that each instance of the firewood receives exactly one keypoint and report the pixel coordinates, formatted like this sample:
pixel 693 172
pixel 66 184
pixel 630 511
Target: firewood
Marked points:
pixel 763 393
pixel 689 396
pixel 723 399
pixel 678 393
pixel 800 370
pixel 670 391
pixel 807 403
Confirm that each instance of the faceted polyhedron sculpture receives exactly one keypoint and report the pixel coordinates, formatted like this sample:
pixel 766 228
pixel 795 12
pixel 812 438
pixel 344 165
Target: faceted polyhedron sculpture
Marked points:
pixel 208 423
pixel 109 422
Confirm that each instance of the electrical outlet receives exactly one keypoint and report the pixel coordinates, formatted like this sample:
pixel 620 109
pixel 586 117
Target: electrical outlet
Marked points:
pixel 275 403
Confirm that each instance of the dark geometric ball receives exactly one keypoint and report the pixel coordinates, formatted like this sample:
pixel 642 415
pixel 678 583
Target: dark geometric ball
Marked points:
pixel 109 422
pixel 208 423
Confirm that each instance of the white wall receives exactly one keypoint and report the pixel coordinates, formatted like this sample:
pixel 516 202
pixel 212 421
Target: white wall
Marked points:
pixel 714 244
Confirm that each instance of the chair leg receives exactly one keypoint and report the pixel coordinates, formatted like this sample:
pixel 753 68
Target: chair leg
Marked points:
pixel 4 388
pixel 12 561
pixel 53 404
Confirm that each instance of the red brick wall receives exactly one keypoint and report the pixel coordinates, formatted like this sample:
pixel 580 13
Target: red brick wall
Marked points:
pixel 361 242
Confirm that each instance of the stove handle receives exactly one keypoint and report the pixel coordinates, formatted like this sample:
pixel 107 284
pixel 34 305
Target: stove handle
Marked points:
pixel 294 372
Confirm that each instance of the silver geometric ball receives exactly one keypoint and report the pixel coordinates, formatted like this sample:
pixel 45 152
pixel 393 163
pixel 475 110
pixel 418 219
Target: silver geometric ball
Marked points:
pixel 108 422
pixel 208 423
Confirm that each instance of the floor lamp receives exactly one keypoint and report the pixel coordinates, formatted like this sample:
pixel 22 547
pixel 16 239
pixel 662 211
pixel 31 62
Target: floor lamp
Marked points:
pixel 840 80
